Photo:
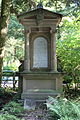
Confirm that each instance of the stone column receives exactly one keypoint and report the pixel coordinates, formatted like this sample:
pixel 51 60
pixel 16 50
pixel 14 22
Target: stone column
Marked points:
pixel 27 55
pixel 53 51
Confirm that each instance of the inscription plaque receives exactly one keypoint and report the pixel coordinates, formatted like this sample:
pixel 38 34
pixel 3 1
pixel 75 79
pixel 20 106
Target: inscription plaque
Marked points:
pixel 40 53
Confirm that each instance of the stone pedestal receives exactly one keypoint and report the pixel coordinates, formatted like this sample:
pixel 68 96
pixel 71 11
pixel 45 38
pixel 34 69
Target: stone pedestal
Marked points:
pixel 41 85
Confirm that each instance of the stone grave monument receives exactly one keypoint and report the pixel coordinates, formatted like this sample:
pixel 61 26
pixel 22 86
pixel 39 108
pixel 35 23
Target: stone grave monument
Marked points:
pixel 40 76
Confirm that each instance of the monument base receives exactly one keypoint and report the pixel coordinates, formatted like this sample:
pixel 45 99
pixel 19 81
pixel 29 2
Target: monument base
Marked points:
pixel 38 94
pixel 39 86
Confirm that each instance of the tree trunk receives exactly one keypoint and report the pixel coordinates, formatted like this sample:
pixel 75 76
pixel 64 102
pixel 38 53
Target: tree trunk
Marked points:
pixel 5 12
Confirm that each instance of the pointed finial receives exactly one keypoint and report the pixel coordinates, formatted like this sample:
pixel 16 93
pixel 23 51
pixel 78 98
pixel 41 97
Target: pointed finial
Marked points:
pixel 40 4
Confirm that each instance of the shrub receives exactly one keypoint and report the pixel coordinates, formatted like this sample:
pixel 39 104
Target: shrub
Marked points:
pixel 63 109
pixel 8 117
pixel 5 96
pixel 13 108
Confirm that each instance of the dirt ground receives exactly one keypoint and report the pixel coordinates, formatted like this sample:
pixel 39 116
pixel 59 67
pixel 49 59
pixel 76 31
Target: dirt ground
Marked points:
pixel 40 113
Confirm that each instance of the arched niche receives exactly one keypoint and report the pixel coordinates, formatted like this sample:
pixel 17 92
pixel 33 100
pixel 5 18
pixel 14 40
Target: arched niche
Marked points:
pixel 40 53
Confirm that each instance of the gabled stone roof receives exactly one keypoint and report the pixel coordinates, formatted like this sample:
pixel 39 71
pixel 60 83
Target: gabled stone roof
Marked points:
pixel 39 10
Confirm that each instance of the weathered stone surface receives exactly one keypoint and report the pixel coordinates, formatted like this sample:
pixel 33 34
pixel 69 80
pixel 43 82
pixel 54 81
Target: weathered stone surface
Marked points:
pixel 39 94
pixel 40 76
pixel 40 53
pixel 29 104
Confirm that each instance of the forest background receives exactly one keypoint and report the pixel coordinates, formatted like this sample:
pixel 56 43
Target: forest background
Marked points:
pixel 68 35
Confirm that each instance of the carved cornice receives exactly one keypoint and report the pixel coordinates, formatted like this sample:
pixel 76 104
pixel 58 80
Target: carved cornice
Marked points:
pixel 53 31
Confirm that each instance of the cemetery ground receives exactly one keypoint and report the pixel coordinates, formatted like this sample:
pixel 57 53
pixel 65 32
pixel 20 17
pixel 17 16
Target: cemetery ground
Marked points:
pixel 64 107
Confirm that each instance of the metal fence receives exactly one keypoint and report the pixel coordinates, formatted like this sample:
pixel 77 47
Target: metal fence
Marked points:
pixel 10 79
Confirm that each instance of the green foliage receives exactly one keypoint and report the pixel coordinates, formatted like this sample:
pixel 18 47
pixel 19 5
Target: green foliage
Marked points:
pixel 24 5
pixel 6 95
pixel 8 117
pixel 68 49
pixel 12 111
pixel 12 67
pixel 63 109
pixel 13 108
pixel 6 92
pixel 69 7
pixel 17 97
pixel 14 47
pixel 15 28
pixel 15 44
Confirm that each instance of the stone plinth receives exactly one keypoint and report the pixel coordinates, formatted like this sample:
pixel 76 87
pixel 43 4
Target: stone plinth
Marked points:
pixel 41 85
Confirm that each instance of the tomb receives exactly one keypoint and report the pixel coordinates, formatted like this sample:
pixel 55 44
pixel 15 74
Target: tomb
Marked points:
pixel 40 76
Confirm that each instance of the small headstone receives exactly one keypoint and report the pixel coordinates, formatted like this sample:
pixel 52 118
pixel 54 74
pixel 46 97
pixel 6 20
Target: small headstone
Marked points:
pixel 29 104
